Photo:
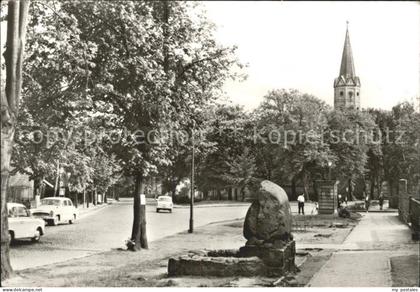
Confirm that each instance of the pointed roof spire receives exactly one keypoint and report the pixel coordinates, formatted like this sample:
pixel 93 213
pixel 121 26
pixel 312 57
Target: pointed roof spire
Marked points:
pixel 347 65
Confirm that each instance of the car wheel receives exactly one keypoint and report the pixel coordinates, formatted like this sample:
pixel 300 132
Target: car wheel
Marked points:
pixel 71 221
pixel 157 210
pixel 55 220
pixel 170 211
pixel 37 236
pixel 11 237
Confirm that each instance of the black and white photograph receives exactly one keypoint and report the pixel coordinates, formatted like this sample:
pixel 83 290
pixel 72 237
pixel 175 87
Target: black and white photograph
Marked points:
pixel 210 144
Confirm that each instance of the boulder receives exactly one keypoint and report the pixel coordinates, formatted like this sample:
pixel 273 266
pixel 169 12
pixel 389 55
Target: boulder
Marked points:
pixel 269 217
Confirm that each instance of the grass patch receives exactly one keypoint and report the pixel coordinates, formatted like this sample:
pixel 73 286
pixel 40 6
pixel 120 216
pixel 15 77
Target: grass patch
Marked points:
pixel 405 271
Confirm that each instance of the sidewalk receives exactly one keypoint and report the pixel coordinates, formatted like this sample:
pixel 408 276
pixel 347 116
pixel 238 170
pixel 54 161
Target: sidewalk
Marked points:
pixel 368 256
pixel 121 268
pixel 204 204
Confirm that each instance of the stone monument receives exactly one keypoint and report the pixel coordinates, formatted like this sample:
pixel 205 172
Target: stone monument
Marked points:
pixel 269 250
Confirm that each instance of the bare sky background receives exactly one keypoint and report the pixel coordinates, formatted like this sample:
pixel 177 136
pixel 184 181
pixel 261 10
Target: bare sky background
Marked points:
pixel 299 45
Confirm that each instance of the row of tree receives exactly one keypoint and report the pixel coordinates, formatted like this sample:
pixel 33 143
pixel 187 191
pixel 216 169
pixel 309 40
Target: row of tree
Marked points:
pixel 295 139
pixel 106 66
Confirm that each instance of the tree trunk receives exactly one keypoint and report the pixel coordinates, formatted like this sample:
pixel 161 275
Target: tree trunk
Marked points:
pixel 230 194
pixel 84 197
pixel 219 195
pixel 6 151
pixel 378 186
pixel 305 181
pixel 236 194
pixel 243 193
pixel 138 234
pixel 294 196
pixel 15 45
pixel 37 186
pixel 315 187
pixel 88 199
pixel 117 195
pixel 372 188
pixel 95 197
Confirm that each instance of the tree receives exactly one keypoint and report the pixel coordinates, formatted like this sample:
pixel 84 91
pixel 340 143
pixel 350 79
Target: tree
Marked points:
pixel 241 171
pixel 154 65
pixel 228 133
pixel 56 102
pixel 401 157
pixel 290 143
pixel 14 55
pixel 349 137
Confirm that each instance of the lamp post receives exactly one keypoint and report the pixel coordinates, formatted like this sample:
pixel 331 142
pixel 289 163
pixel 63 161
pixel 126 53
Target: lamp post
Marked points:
pixel 329 170
pixel 191 229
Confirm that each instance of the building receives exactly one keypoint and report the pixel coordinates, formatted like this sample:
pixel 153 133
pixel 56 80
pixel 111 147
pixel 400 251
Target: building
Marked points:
pixel 347 84
pixel 20 189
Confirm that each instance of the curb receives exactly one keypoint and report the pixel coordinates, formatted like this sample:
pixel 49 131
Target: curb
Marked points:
pixel 207 206
pixel 377 211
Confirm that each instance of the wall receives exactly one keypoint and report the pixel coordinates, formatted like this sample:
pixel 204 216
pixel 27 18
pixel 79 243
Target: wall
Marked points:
pixel 409 208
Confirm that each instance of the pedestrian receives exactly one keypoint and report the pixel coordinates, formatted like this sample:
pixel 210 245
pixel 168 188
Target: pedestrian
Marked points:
pixel 301 204
pixel 367 203
pixel 381 201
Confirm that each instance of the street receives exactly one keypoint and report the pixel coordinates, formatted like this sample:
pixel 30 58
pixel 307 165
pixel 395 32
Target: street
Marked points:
pixel 108 228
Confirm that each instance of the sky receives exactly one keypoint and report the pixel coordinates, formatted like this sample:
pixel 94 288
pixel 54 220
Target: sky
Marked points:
pixel 299 45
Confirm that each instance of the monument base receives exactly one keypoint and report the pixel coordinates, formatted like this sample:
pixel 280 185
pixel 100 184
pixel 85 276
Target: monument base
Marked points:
pixel 250 260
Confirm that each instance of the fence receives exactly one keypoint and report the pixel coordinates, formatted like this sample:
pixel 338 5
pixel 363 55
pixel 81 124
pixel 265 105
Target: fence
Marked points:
pixel 409 209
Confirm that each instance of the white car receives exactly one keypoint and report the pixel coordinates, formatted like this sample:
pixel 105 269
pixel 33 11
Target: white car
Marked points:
pixel 55 210
pixel 164 203
pixel 22 225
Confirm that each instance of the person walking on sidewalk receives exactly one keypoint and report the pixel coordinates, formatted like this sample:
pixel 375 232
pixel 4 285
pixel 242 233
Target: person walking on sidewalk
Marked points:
pixel 301 204
pixel 367 203
pixel 381 201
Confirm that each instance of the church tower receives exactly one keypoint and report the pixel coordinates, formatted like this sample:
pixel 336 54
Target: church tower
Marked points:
pixel 347 84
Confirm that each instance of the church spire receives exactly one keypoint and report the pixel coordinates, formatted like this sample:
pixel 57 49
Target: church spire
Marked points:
pixel 347 64
pixel 347 84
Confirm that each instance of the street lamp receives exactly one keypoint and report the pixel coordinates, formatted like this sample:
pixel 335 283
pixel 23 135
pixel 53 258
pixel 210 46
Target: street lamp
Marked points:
pixel 191 229
pixel 329 170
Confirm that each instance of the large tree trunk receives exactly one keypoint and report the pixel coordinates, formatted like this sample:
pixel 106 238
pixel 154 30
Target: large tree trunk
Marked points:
pixel 6 151
pixel 138 234
pixel 230 194
pixel 15 44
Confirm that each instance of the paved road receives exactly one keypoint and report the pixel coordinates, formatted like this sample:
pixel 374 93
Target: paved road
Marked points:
pixel 363 260
pixel 108 228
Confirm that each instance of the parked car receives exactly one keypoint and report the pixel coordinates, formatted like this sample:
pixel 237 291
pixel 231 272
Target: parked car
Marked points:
pixel 55 210
pixel 164 203
pixel 22 225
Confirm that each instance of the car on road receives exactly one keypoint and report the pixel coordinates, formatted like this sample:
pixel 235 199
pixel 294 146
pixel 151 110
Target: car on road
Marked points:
pixel 55 210
pixel 22 225
pixel 164 203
